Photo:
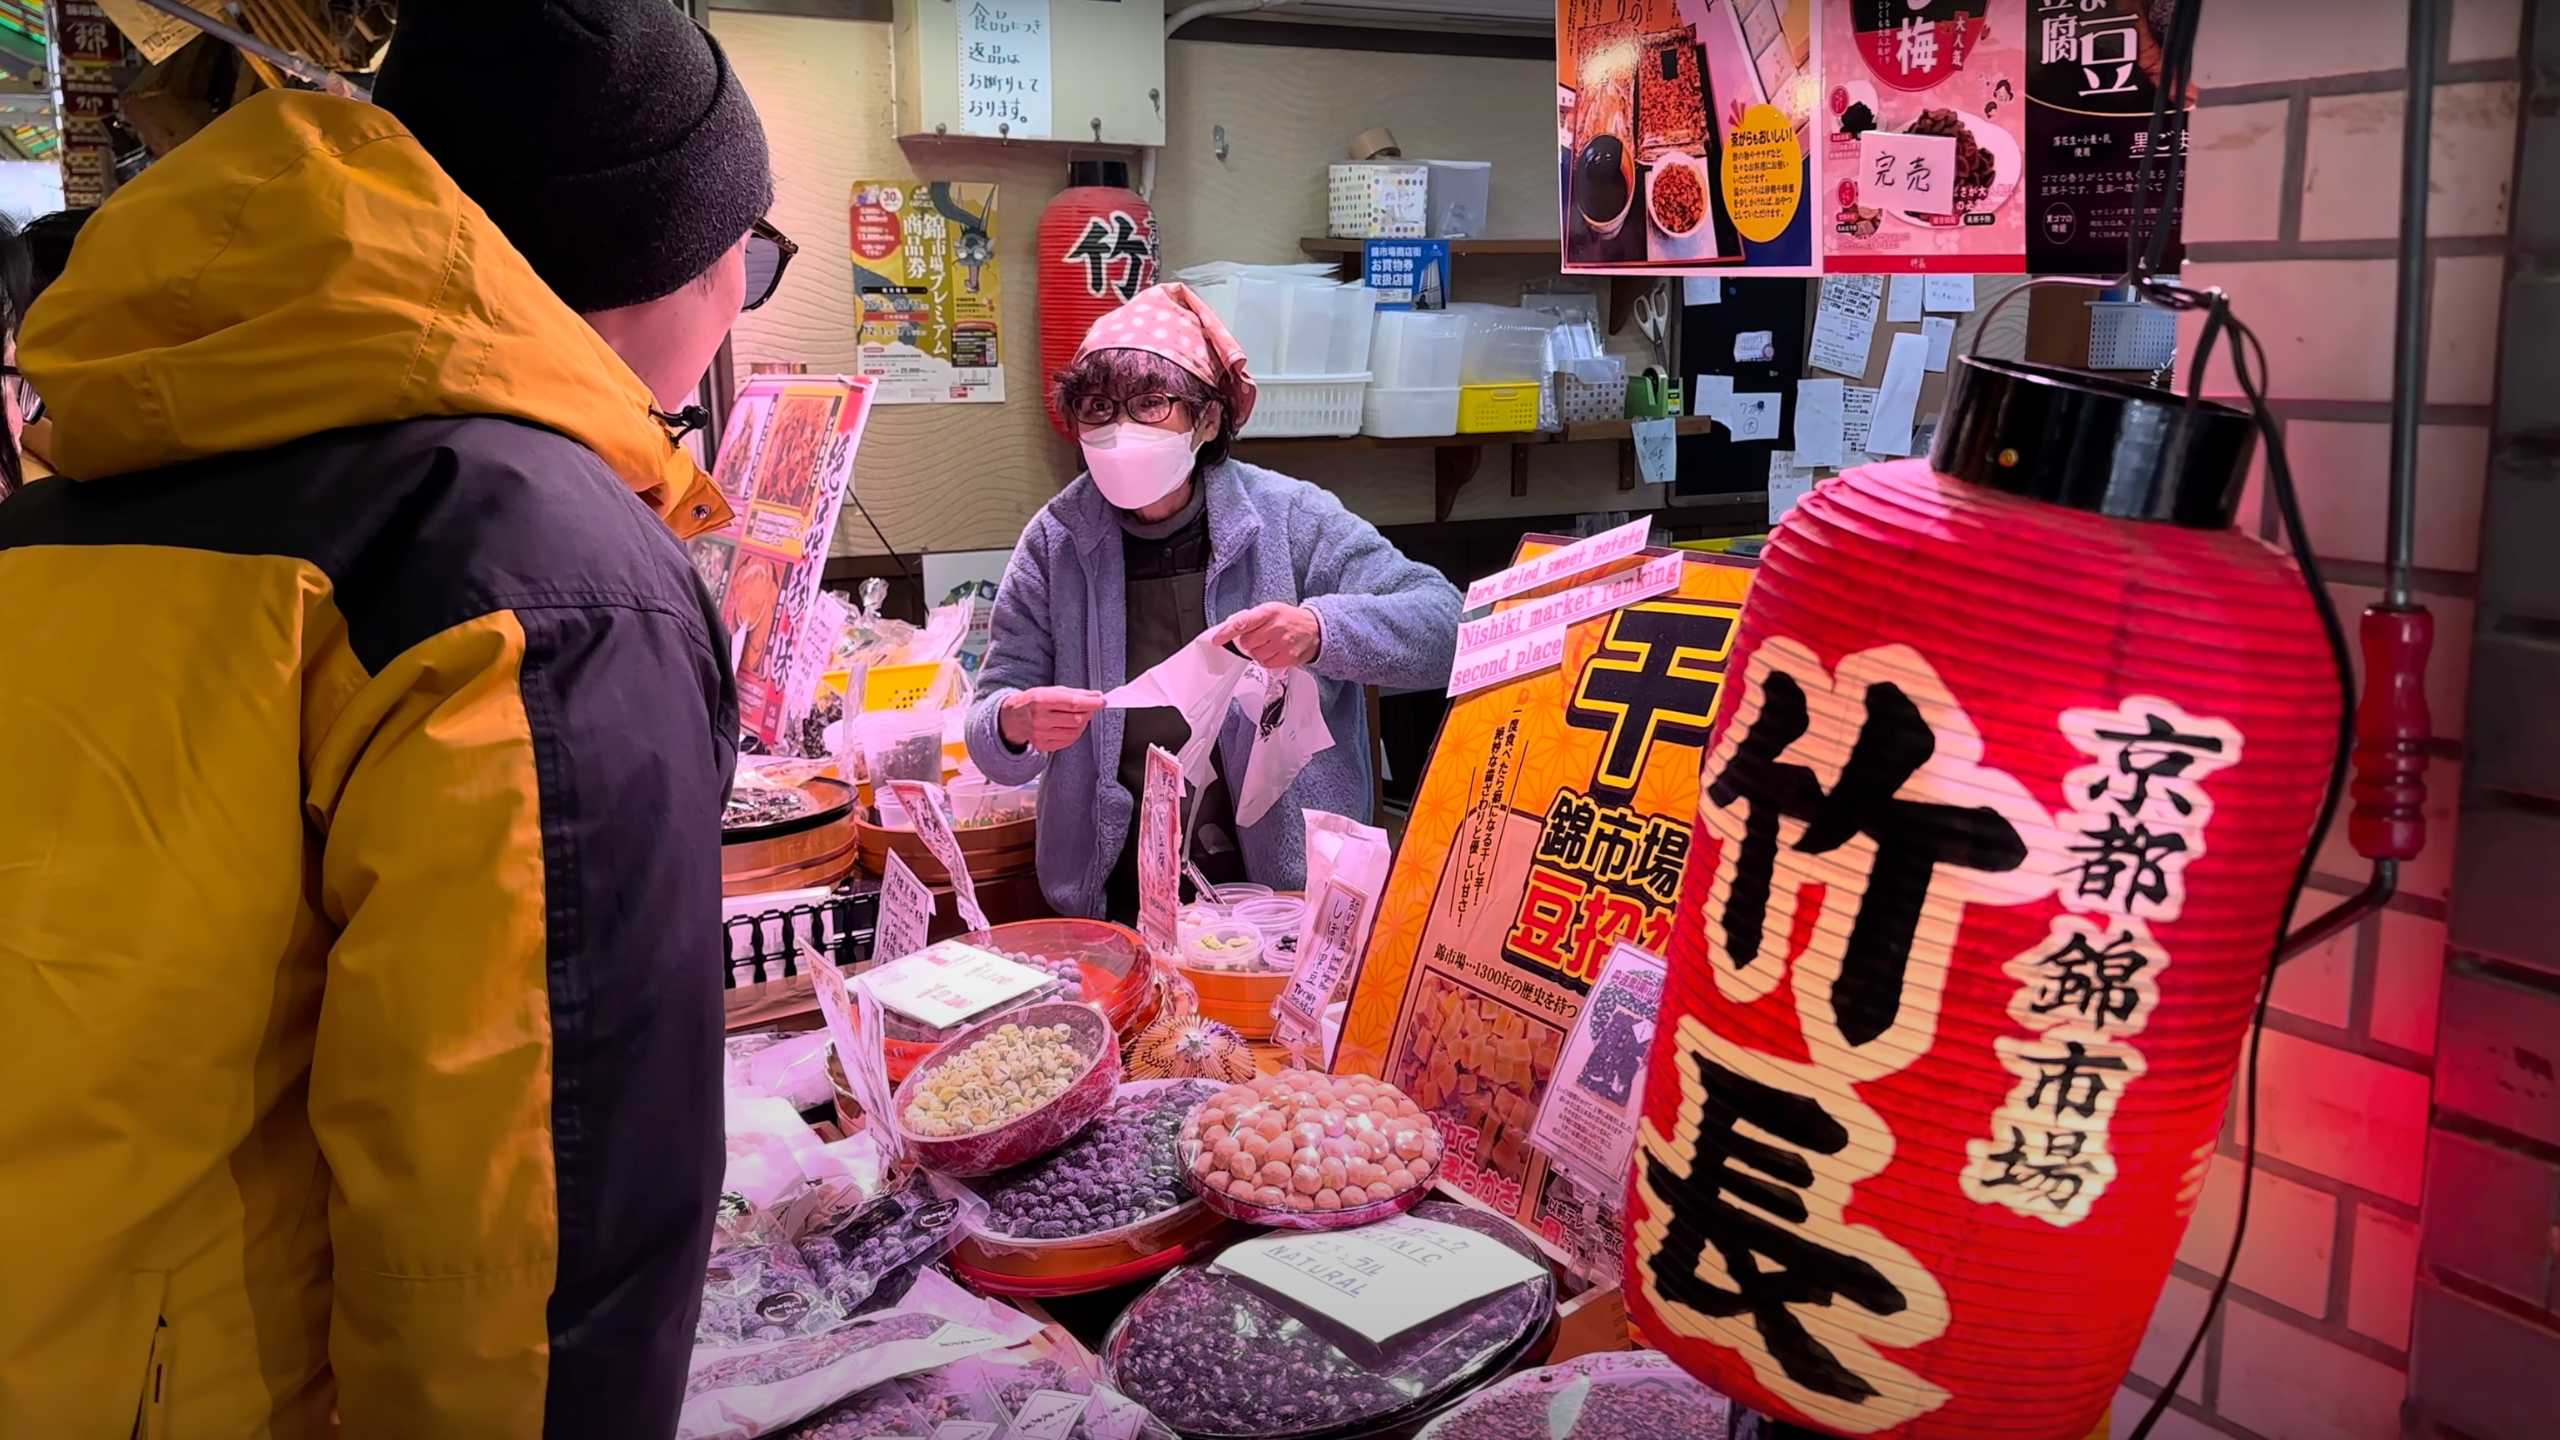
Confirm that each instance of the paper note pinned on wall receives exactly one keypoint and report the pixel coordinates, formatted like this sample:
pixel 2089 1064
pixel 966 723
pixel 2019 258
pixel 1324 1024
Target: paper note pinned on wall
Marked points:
pixel 1004 68
pixel 1703 290
pixel 1950 293
pixel 1755 416
pixel 1857 417
pixel 1819 406
pixel 1940 332
pixel 1712 396
pixel 1898 397
pixel 1657 449
pixel 1844 328
pixel 1902 299
pixel 1914 173
pixel 1787 485
pixel 1755 347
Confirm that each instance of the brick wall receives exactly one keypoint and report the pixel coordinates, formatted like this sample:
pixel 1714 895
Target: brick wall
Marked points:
pixel 2293 209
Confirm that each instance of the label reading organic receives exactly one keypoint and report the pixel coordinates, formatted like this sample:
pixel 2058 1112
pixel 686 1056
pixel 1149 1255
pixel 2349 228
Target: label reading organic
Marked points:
pixel 1382 1279
pixel 950 982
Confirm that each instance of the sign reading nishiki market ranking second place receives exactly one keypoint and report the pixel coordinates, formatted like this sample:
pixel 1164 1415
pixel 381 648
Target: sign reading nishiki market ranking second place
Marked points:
pixel 1552 824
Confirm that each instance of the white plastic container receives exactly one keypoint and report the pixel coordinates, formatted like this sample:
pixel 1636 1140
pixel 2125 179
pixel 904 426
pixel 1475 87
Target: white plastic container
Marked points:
pixel 1417 350
pixel 1505 352
pixel 1306 333
pixel 1260 319
pixel 1401 414
pixel 1298 405
pixel 1355 317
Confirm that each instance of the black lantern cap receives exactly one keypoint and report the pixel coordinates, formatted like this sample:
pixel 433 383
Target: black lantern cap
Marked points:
pixel 1113 173
pixel 2093 443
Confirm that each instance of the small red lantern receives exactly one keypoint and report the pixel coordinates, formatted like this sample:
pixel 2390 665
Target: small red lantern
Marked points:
pixel 1997 827
pixel 1097 251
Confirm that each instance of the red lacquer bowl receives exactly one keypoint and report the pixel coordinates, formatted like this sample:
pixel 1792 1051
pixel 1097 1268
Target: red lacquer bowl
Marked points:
pixel 1025 1137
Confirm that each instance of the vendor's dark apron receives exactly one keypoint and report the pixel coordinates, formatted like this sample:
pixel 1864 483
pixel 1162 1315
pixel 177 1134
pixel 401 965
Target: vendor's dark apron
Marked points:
pixel 1165 613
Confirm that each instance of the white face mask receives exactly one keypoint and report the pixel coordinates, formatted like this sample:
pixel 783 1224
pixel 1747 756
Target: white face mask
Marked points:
pixel 1137 465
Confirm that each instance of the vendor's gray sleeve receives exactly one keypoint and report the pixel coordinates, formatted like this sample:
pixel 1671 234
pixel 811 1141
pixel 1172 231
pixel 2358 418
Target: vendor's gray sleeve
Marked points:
pixel 1388 621
pixel 1018 658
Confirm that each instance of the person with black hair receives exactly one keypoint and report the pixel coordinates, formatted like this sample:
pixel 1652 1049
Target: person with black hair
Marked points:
pixel 45 243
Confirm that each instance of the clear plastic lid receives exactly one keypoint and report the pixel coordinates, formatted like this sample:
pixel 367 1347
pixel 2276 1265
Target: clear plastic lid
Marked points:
pixel 1217 1357
pixel 1306 1150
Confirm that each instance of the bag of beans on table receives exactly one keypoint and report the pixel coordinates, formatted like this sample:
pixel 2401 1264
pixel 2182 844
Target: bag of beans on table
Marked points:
pixel 1046 1389
pixel 1615 1395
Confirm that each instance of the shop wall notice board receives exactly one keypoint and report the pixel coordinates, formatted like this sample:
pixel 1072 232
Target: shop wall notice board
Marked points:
pixel 1553 821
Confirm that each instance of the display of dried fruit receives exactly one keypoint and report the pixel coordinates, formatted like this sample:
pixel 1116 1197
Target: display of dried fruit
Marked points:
pixel 1120 1171
pixel 1215 1356
pixel 1313 1144
pixel 1670 103
pixel 753 805
pixel 1975 168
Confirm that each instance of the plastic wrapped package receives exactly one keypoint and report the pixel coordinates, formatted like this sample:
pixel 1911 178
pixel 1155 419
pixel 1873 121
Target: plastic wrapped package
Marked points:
pixel 766 1194
pixel 1614 1395
pixel 1046 1389
pixel 763 1292
pixel 869 1260
pixel 733 1392
pixel 1216 1357
pixel 1112 1183
pixel 793 1067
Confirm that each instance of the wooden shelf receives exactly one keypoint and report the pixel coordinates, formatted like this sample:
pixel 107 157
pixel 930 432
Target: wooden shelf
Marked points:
pixel 1458 245
pixel 1455 458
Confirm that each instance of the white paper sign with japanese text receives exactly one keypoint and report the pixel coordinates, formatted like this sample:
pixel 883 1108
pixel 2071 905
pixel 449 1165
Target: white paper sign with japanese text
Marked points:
pixel 1381 1280
pixel 906 912
pixel 930 809
pixel 1653 577
pixel 947 984
pixel 1914 173
pixel 1004 67
pixel 1587 1120
pixel 1159 853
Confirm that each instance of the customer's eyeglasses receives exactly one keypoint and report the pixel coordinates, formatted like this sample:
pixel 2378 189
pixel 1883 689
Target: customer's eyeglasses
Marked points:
pixel 1153 408
pixel 769 253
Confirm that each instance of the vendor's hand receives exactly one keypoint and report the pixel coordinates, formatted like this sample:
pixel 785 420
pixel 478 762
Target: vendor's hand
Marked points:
pixel 1048 719
pixel 1277 636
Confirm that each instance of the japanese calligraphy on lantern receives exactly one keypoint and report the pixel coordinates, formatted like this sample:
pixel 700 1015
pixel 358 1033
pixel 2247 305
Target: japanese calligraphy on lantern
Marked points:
pixel 928 292
pixel 1924 135
pixel 1553 823
pixel 1869 779
pixel 2138 819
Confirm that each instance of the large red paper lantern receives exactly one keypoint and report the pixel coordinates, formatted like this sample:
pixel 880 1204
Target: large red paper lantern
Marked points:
pixel 2021 748
pixel 1097 251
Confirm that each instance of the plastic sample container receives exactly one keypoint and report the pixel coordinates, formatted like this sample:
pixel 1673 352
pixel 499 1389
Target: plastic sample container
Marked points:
pixel 1399 414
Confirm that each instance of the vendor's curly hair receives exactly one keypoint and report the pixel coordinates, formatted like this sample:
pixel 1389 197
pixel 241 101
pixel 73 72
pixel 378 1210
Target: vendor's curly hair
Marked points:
pixel 1124 375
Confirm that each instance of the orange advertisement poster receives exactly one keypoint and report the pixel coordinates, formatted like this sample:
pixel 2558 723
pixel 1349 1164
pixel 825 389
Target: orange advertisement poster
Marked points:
pixel 1553 821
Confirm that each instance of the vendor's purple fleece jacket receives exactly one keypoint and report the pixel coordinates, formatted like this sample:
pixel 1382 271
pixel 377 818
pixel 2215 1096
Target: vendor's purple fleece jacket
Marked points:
pixel 1061 619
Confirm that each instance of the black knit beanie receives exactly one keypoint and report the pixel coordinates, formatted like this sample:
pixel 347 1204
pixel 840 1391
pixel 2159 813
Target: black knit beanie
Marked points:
pixel 609 139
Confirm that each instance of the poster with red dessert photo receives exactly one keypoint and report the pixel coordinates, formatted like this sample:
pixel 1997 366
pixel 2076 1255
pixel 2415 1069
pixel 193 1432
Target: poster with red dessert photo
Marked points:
pixel 1924 135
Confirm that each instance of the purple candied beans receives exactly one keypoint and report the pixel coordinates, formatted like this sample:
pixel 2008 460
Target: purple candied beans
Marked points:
pixel 1212 1355
pixel 1120 1171
pixel 1651 1407
pixel 762 1292
pixel 1618 1395
pixel 853 1263
pixel 765 1364
pixel 887 1409
pixel 1063 967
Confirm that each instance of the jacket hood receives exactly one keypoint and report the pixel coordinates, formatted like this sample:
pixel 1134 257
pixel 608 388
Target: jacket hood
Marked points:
pixel 300 266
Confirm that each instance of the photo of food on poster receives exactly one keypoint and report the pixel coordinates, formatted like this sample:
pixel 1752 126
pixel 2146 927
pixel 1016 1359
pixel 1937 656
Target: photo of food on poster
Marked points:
pixel 928 289
pixel 785 465
pixel 2093 71
pixel 1684 133
pixel 1924 135
pixel 1552 824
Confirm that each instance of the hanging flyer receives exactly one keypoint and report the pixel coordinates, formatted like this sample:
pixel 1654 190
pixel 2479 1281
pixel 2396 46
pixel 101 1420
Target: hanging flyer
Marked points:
pixel 1552 823
pixel 1924 135
pixel 927 287
pixel 785 466
pixel 2093 72
pixel 1587 1123
pixel 1682 136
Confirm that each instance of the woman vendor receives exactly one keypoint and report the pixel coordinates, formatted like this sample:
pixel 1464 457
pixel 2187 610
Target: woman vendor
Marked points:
pixel 1164 538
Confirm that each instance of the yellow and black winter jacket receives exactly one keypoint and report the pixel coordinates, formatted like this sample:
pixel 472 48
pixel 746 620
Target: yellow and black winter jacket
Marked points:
pixel 363 734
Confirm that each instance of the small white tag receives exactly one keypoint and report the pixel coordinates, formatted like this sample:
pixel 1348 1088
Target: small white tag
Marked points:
pixel 965 1430
pixel 1383 1279
pixel 950 982
pixel 1049 1415
pixel 906 912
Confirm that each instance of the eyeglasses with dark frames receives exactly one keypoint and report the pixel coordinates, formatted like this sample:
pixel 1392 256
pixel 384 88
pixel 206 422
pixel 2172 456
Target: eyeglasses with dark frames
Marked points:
pixel 1152 408
pixel 769 253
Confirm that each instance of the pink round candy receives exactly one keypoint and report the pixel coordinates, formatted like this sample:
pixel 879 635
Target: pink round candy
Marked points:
pixel 1215 1133
pixel 1205 1163
pixel 1271 1196
pixel 1334 1172
pixel 1218 1180
pixel 1367 1172
pixel 1306 1180
pixel 1354 1195
pixel 1270 1124
pixel 1243 1166
pixel 1273 1174
pixel 1399 1180
pixel 1329 1198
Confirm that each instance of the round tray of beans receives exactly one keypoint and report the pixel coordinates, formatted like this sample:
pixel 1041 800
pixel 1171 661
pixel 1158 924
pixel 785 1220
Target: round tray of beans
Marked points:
pixel 1009 1089
pixel 1613 1395
pixel 1302 1150
pixel 1107 1208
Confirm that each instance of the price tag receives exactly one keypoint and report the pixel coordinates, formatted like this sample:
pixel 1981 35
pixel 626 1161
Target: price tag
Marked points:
pixel 852 1014
pixel 906 912
pixel 950 983
pixel 1159 853
pixel 1916 173
pixel 1325 951
pixel 1049 1415
pixel 1382 1279
pixel 930 809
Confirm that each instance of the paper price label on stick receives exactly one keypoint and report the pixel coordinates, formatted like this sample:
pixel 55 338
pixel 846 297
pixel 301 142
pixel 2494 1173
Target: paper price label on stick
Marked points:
pixel 1159 853
pixel 906 912
pixel 1383 1279
pixel 929 808
pixel 1916 173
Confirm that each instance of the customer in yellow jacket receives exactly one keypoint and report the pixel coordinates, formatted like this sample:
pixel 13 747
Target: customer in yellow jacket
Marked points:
pixel 360 780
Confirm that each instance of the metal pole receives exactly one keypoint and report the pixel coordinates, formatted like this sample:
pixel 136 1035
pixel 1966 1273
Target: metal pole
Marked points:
pixel 2409 350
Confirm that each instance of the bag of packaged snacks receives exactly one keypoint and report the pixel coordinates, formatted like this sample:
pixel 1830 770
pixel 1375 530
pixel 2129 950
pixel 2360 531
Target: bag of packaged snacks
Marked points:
pixel 870 1259
pixel 1614 1395
pixel 1217 1355
pixel 735 1392
pixel 1046 1389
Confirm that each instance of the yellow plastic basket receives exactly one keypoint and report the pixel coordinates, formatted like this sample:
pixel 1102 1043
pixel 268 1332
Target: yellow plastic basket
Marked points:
pixel 1487 409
